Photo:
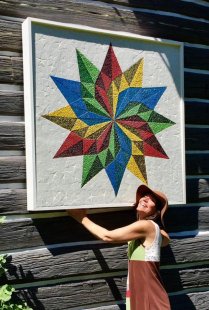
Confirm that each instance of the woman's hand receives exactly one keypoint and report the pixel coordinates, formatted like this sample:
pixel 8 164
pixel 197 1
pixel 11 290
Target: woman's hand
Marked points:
pixel 166 238
pixel 77 214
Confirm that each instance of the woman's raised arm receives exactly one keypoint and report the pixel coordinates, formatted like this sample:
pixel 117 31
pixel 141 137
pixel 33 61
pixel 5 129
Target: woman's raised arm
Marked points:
pixel 136 230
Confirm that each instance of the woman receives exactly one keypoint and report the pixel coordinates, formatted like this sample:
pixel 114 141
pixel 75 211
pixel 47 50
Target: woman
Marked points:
pixel 145 290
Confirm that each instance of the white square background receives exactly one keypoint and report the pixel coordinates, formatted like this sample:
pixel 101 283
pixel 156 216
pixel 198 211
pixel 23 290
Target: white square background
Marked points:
pixel 57 182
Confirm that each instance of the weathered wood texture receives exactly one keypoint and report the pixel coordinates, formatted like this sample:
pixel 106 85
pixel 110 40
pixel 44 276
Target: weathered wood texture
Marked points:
pixel 11 103
pixel 47 249
pixel 68 260
pixel 13 201
pixel 98 291
pixel 37 232
pixel 145 23
pixel 12 136
pixel 12 169
pixel 11 70
pixel 192 301
pixel 174 6
pixel 10 35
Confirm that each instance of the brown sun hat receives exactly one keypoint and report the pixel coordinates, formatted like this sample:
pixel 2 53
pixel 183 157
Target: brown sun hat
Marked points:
pixel 162 201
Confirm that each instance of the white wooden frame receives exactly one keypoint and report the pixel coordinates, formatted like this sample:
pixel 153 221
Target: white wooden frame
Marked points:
pixel 29 90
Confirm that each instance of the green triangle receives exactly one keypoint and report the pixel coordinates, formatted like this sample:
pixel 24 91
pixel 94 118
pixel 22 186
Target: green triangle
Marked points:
pixel 91 166
pixel 157 127
pixel 88 72
pixel 143 108
pixel 158 118
pixel 109 158
pixel 94 106
pixel 158 122
pixel 129 112
pixel 88 90
pixel 102 156
pixel 146 115
pixel 114 143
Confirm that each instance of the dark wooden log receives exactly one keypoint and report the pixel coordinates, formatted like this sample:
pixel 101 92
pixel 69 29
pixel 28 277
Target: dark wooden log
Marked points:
pixel 145 23
pixel 10 35
pixel 178 279
pixel 197 139
pixel 12 169
pixel 12 136
pixel 41 231
pixel 197 164
pixel 92 291
pixel 80 294
pixel 12 201
pixel 196 112
pixel 175 6
pixel 196 58
pixel 187 218
pixel 64 261
pixel 11 103
pixel 29 233
pixel 185 250
pixel 197 189
pixel 192 301
pixel 11 70
pixel 196 85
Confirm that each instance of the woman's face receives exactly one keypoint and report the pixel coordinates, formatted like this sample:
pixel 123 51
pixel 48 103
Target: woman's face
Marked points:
pixel 146 206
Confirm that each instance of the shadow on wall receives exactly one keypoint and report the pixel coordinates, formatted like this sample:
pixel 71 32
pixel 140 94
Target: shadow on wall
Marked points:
pixel 23 295
pixel 173 283
pixel 67 233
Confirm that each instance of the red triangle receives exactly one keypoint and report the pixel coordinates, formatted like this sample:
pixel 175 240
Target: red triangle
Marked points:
pixel 103 140
pixel 150 150
pixel 72 146
pixel 87 143
pixel 131 123
pixel 102 98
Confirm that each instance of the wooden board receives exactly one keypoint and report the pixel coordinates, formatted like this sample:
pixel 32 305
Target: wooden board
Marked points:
pixel 11 69
pixel 92 292
pixel 71 260
pixel 24 233
pixel 11 103
pixel 12 169
pixel 196 112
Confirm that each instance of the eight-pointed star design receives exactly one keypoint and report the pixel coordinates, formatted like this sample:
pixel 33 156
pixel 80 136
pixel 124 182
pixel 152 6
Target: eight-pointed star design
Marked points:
pixel 111 119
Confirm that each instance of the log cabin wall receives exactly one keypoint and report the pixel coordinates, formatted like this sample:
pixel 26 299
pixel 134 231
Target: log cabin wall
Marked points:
pixel 52 261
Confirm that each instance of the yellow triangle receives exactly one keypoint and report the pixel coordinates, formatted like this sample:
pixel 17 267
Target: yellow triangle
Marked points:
pixel 64 112
pixel 136 150
pixel 92 129
pixel 133 168
pixel 132 136
pixel 138 76
pixel 79 125
pixel 123 83
pixel 113 96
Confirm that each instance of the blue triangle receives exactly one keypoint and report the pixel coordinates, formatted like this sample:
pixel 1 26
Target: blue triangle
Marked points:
pixel 71 90
pixel 148 96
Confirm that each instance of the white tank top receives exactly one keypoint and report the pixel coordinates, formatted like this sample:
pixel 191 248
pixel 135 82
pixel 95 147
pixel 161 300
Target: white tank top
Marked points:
pixel 152 252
